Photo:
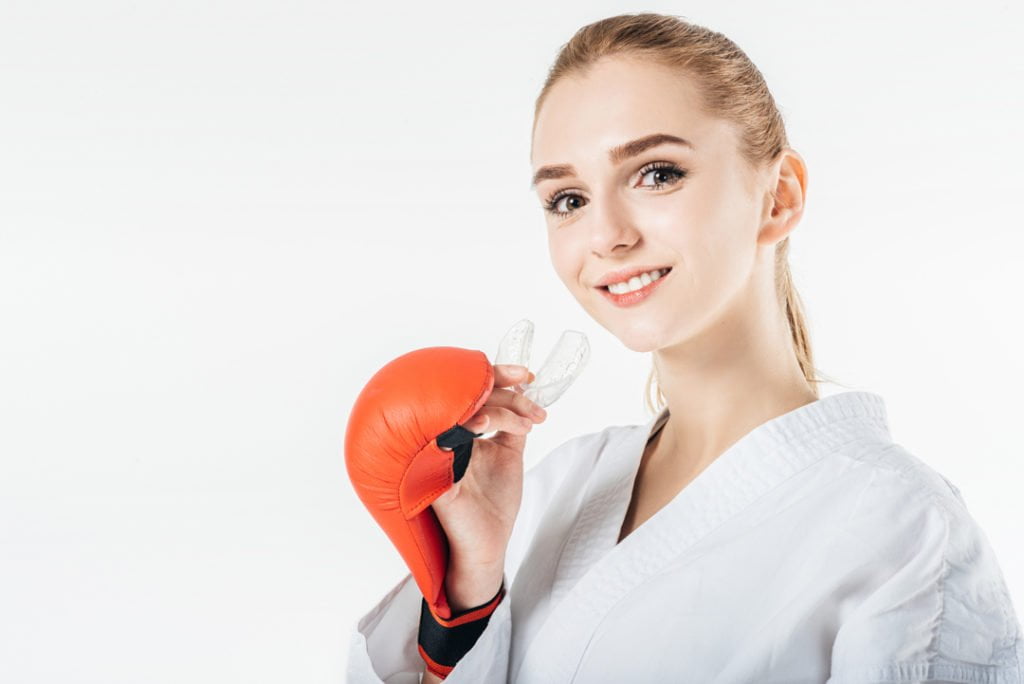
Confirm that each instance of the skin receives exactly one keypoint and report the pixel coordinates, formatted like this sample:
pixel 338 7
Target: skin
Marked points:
pixel 717 332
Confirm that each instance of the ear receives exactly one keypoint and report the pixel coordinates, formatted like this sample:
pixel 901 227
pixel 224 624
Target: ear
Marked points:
pixel 784 206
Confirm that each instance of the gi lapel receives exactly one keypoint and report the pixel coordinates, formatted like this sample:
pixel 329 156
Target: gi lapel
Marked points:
pixel 594 572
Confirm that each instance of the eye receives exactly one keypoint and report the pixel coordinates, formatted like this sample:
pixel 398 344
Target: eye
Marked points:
pixel 553 201
pixel 662 169
pixel 656 168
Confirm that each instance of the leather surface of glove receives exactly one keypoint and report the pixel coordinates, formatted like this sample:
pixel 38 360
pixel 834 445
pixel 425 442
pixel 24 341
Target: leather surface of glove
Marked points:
pixel 404 415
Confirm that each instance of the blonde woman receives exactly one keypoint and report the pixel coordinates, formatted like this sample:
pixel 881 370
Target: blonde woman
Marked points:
pixel 751 531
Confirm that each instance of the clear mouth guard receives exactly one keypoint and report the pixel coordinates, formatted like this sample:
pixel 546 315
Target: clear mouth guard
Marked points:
pixel 563 365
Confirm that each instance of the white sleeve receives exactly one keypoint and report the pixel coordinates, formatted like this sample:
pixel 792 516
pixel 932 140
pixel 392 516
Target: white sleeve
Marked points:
pixel 383 647
pixel 940 613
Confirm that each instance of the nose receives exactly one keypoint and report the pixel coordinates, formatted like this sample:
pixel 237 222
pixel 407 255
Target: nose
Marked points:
pixel 611 228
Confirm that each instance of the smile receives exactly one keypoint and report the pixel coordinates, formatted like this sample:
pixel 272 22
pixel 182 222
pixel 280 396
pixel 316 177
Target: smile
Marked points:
pixel 635 296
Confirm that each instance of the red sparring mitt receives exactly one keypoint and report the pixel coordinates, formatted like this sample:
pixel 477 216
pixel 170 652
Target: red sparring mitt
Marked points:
pixel 409 409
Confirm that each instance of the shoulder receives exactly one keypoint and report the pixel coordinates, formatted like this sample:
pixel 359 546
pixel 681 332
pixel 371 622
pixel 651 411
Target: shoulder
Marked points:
pixel 890 461
pixel 902 499
pixel 936 590
pixel 905 498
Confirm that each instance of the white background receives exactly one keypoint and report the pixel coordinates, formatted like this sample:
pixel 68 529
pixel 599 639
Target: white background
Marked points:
pixel 219 219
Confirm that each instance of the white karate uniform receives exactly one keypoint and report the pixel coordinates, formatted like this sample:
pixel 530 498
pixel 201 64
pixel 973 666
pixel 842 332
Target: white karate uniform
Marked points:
pixel 814 549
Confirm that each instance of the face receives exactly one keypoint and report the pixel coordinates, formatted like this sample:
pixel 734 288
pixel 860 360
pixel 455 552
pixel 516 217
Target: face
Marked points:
pixel 695 209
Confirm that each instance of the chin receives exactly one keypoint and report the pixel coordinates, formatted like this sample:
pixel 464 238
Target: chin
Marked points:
pixel 641 346
pixel 637 340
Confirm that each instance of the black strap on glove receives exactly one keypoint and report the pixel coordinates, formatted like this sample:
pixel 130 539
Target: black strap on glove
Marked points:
pixel 443 642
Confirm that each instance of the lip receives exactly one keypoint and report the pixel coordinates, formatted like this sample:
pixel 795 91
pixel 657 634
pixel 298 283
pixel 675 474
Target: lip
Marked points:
pixel 633 298
pixel 626 274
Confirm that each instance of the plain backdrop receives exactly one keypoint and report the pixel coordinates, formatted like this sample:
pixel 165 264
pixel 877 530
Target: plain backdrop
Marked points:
pixel 219 219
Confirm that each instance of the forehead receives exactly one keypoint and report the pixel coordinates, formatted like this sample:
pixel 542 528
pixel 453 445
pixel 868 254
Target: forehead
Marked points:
pixel 620 99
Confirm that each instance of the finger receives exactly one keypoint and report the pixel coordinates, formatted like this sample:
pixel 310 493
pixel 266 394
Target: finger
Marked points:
pixel 508 374
pixel 497 418
pixel 518 402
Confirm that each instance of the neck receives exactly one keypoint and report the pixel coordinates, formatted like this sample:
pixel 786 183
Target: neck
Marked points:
pixel 719 386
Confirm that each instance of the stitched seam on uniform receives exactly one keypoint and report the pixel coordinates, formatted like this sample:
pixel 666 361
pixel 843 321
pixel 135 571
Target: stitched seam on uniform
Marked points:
pixel 590 508
pixel 758 497
pixel 783 439
pixel 577 523
pixel 941 501
pixel 800 441
pixel 1010 637
pixel 914 475
pixel 1018 652
pixel 652 576
pixel 703 532
pixel 939 634
pixel 773 439
pixel 916 671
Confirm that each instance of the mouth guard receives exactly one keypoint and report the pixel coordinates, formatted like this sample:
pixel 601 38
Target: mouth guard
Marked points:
pixel 563 365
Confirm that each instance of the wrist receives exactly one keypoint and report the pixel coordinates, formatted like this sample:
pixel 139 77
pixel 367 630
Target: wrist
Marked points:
pixel 443 641
pixel 468 587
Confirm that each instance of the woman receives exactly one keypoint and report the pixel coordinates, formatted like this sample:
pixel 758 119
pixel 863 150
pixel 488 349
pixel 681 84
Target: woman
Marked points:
pixel 752 531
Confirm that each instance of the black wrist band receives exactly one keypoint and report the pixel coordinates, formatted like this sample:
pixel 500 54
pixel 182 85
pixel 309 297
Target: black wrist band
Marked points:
pixel 443 642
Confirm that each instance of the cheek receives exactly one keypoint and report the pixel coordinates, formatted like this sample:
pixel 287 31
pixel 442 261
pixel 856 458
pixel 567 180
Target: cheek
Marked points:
pixel 688 229
pixel 706 232
pixel 564 261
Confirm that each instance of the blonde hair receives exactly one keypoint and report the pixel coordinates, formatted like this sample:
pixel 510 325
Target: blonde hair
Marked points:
pixel 731 88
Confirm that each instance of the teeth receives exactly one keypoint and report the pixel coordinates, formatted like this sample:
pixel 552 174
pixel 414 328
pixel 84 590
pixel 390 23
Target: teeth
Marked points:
pixel 636 282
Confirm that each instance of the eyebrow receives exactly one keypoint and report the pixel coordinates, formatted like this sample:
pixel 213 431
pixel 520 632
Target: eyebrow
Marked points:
pixel 616 155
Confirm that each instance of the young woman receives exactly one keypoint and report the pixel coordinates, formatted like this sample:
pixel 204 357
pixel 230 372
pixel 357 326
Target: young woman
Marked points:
pixel 752 531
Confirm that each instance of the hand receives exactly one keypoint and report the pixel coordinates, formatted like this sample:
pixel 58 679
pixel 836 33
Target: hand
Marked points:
pixel 479 511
